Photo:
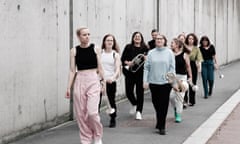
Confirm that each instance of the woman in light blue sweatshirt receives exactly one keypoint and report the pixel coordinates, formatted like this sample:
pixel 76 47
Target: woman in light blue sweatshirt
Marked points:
pixel 160 61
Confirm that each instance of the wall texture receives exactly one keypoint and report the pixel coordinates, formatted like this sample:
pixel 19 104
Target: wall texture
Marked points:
pixel 34 42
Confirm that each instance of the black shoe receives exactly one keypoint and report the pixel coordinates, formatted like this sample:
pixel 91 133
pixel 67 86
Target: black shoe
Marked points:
pixel 210 94
pixel 205 97
pixel 112 123
pixel 162 131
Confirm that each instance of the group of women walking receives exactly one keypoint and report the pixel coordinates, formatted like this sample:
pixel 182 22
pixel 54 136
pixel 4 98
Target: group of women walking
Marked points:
pixel 95 66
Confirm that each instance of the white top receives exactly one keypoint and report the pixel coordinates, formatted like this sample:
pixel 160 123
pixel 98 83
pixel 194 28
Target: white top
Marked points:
pixel 108 64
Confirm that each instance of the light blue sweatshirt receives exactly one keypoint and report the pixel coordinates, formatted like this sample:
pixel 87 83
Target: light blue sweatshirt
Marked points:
pixel 159 62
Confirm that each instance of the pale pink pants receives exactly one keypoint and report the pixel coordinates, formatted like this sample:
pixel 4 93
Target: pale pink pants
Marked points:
pixel 86 100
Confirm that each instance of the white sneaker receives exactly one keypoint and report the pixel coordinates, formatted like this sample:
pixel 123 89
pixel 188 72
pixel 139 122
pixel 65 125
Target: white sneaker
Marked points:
pixel 99 141
pixel 133 110
pixel 138 116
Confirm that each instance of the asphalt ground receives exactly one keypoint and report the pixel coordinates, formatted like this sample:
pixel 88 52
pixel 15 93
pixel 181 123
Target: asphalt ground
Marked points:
pixel 131 131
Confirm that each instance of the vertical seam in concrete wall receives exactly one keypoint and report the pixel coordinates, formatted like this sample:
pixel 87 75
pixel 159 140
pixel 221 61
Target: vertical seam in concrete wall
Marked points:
pixel 158 15
pixel 57 50
pixel 126 21
pixel 194 16
pixel 215 22
pixel 71 46
pixel 227 33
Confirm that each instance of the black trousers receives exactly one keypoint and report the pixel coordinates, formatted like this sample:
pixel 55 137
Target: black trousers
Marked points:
pixel 111 93
pixel 160 100
pixel 130 82
pixel 194 80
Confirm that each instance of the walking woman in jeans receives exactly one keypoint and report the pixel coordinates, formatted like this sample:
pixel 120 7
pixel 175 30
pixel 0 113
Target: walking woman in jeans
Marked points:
pixel 195 56
pixel 85 59
pixel 208 64
pixel 160 61
pixel 111 67
pixel 132 79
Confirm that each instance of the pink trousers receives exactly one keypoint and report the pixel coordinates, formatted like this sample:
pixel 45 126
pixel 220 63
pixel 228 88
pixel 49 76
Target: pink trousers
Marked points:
pixel 86 100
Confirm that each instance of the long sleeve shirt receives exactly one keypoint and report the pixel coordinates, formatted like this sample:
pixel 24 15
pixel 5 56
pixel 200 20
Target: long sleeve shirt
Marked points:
pixel 159 62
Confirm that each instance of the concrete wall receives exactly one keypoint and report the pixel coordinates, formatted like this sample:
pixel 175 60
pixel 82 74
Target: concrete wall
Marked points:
pixel 34 43
pixel 34 55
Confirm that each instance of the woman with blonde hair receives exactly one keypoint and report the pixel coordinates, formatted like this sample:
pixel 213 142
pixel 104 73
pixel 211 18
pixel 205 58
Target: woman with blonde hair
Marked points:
pixel 182 64
pixel 85 59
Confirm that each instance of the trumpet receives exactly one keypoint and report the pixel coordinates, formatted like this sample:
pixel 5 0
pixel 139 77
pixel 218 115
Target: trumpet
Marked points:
pixel 137 61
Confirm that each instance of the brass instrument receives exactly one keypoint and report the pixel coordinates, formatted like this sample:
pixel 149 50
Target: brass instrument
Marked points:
pixel 137 61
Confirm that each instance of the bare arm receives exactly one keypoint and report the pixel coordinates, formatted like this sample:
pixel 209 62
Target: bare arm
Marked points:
pixel 99 68
pixel 188 67
pixel 215 62
pixel 117 67
pixel 72 71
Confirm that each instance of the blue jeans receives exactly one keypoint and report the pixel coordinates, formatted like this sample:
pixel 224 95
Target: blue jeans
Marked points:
pixel 207 76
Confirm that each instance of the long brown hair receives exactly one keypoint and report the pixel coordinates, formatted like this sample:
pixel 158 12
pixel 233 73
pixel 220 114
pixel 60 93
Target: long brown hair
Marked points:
pixel 115 45
pixel 142 41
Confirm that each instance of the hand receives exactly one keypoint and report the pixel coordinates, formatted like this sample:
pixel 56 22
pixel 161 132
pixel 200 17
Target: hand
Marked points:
pixel 189 80
pixel 216 66
pixel 145 85
pixel 68 94
pixel 109 81
pixel 129 63
pixel 175 88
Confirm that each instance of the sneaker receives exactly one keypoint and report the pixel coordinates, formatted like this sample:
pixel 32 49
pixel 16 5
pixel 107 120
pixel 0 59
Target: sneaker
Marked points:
pixel 178 118
pixel 190 104
pixel 185 105
pixel 133 110
pixel 99 141
pixel 110 111
pixel 138 116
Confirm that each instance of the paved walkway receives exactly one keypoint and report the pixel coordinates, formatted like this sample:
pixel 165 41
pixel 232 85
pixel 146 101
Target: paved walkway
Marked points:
pixel 229 131
pixel 130 131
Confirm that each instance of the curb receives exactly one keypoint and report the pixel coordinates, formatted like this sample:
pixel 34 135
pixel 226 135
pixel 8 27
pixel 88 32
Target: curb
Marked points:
pixel 205 131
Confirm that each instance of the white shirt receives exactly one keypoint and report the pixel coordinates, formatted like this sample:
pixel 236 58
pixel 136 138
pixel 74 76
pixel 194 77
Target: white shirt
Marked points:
pixel 108 64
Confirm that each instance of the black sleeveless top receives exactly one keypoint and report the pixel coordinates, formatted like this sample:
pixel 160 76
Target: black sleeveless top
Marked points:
pixel 86 58
pixel 180 64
